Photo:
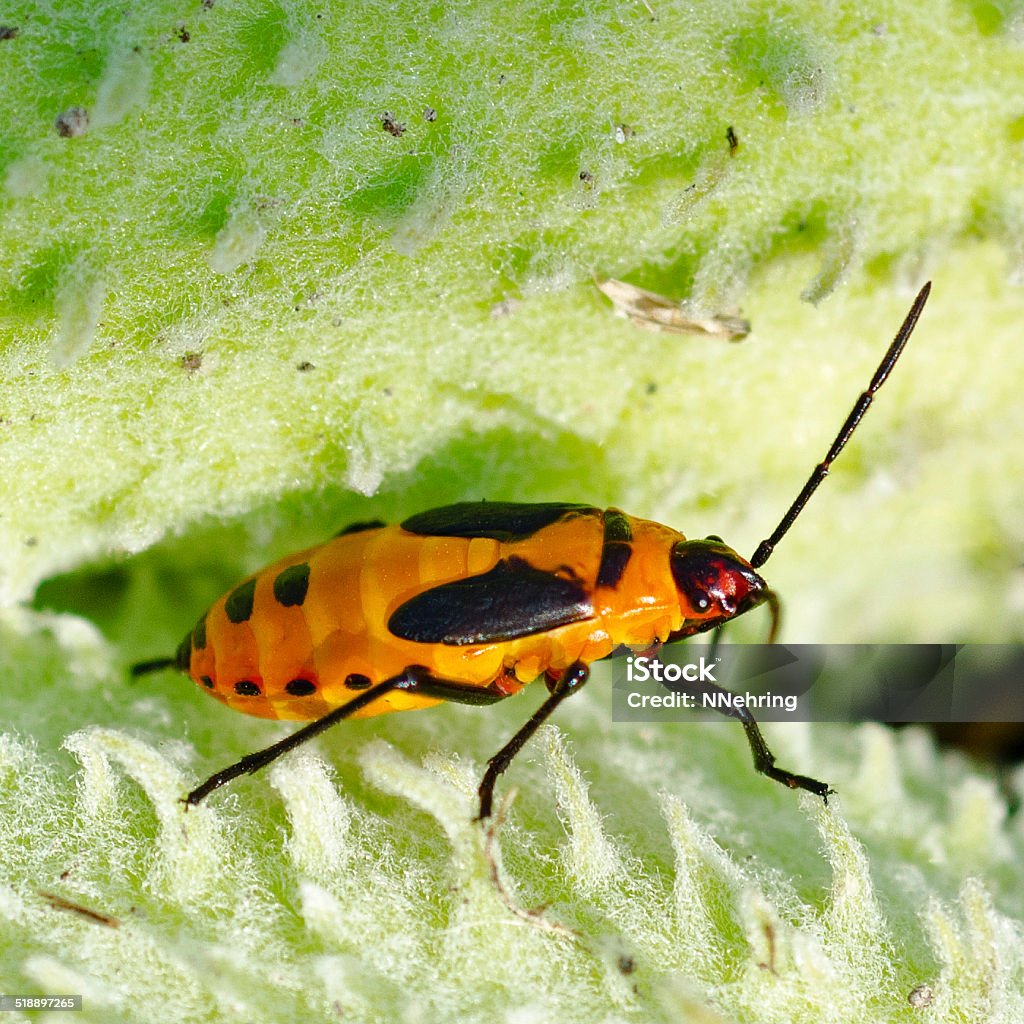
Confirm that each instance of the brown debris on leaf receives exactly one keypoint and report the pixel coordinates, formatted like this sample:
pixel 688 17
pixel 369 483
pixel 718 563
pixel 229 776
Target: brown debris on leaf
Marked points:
pixel 655 312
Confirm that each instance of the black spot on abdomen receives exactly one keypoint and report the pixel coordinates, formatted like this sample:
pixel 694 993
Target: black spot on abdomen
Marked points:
pixel 199 634
pixel 183 655
pixel 291 585
pixel 238 605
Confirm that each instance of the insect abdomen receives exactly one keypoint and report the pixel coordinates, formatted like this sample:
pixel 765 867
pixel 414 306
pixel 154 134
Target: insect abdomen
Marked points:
pixel 308 633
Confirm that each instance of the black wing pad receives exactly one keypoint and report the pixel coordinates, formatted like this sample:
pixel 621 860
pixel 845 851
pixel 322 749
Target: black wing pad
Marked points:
pixel 511 600
pixel 500 520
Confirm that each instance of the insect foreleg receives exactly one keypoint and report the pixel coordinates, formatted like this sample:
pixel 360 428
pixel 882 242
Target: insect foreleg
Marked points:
pixel 764 759
pixel 571 680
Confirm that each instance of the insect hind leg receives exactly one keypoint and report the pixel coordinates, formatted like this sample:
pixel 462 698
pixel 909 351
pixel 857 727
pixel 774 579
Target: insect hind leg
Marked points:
pixel 414 679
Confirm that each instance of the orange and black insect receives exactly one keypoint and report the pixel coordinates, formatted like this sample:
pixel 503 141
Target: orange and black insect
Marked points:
pixel 469 603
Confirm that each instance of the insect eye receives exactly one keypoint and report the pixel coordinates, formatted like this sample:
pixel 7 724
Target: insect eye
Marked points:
pixel 696 572
pixel 709 577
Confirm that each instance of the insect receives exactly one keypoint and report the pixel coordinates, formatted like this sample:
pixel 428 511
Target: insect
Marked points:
pixel 469 603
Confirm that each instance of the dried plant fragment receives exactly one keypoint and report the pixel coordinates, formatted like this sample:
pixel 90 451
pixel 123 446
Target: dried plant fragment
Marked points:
pixel 60 903
pixel 657 313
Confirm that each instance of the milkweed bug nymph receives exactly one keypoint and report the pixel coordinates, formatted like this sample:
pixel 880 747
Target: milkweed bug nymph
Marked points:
pixel 469 603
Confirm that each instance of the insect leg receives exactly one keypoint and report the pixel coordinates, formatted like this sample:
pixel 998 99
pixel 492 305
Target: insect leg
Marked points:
pixel 764 759
pixel 261 758
pixel 715 641
pixel 415 679
pixel 775 607
pixel 142 668
pixel 571 680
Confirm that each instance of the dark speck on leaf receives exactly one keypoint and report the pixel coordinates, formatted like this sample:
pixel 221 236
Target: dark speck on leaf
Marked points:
pixel 72 123
pixel 392 126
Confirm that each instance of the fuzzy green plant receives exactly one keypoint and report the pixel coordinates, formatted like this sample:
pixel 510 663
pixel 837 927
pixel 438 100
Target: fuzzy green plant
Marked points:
pixel 271 267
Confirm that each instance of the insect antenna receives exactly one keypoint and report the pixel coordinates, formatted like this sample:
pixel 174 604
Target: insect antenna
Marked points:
pixel 767 546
